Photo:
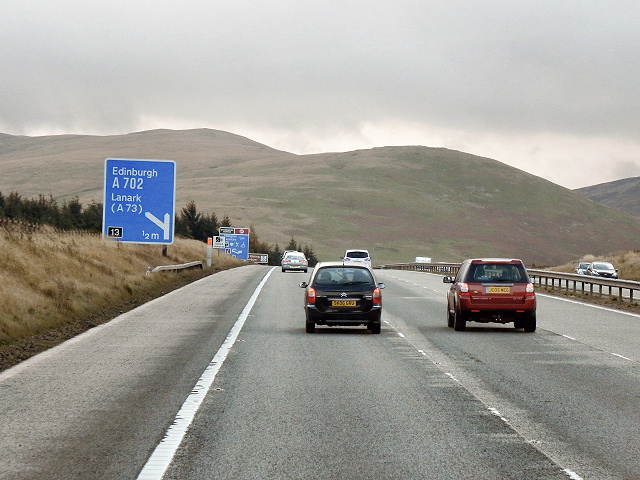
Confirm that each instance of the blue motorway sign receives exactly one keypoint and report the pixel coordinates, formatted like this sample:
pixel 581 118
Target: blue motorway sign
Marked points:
pixel 237 244
pixel 139 200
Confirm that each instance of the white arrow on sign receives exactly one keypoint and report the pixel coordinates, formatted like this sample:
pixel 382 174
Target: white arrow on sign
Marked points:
pixel 163 225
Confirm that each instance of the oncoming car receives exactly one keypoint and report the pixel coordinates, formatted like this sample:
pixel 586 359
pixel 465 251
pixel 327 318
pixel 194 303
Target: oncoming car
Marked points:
pixel 345 295
pixel 293 261
pixel 357 256
pixel 601 269
pixel 491 290
pixel 581 269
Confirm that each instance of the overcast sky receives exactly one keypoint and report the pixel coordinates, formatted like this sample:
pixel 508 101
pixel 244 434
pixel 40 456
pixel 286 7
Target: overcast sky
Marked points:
pixel 549 87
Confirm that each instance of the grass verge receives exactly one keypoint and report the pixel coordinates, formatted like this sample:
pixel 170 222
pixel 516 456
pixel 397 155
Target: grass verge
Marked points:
pixel 54 286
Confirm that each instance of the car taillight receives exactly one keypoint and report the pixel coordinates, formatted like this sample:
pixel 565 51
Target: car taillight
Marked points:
pixel 377 297
pixel 311 295
pixel 464 288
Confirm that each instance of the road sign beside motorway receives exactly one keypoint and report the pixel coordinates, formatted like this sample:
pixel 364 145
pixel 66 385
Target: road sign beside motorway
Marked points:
pixel 218 242
pixel 237 243
pixel 139 200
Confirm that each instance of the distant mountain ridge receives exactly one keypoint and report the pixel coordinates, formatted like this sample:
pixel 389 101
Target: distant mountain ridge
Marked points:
pixel 399 202
pixel 621 194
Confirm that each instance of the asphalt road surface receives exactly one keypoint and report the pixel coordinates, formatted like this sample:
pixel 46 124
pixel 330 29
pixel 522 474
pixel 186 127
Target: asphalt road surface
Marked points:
pixel 151 391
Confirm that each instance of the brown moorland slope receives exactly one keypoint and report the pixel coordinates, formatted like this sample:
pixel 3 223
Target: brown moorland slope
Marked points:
pixel 399 202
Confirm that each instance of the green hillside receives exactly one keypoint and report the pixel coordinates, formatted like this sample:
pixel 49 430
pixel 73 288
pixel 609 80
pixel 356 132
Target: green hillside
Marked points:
pixel 399 202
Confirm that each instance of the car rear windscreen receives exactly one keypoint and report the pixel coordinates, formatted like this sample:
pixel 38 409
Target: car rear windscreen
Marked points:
pixel 497 272
pixel 340 276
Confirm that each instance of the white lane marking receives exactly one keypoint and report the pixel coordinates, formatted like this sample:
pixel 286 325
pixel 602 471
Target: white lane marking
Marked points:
pixel 572 475
pixel 498 414
pixel 612 353
pixel 162 456
pixel 631 314
pixel 621 356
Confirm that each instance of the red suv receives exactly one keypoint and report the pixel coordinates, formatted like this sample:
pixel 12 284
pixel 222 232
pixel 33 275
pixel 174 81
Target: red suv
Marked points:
pixel 491 290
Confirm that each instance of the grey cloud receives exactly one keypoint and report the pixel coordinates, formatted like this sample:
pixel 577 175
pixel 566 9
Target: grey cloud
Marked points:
pixel 496 67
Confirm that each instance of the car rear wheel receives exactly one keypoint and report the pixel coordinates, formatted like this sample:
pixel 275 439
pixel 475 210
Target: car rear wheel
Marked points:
pixel 530 323
pixel 310 327
pixel 459 321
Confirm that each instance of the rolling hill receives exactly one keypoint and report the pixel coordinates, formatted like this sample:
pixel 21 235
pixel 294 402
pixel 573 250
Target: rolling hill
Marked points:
pixel 399 202
pixel 621 194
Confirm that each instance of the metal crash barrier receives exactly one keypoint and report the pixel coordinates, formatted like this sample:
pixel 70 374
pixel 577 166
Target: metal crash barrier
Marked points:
pixel 175 268
pixel 624 290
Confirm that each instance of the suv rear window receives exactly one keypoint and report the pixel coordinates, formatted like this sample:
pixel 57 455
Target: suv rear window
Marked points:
pixel 497 272
pixel 358 254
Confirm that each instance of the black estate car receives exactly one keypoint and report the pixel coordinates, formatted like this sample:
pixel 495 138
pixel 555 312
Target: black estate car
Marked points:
pixel 346 295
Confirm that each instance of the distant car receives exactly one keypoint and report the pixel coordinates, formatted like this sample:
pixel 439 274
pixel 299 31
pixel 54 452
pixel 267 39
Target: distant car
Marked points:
pixel 294 261
pixel 581 269
pixel 357 256
pixel 491 290
pixel 601 269
pixel 339 294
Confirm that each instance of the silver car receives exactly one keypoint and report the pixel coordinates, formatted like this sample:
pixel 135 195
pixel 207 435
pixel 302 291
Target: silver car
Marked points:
pixel 294 261
pixel 581 269
pixel 602 269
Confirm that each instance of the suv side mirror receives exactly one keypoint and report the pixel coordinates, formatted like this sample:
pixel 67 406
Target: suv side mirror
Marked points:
pixel 304 285
pixel 447 279
pixel 381 285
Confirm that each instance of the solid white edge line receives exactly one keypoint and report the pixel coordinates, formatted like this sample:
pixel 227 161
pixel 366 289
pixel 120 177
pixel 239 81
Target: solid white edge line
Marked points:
pixel 600 307
pixel 571 474
pixel 161 458
pixel 621 356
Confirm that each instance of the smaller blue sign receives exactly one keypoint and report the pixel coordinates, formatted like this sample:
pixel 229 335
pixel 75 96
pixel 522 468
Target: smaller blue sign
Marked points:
pixel 237 246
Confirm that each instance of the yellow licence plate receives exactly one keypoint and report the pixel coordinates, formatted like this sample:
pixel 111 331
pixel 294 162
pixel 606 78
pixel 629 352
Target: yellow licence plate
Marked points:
pixel 506 290
pixel 343 303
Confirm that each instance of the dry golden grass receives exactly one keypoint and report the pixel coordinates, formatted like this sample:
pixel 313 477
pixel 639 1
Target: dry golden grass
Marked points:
pixel 50 279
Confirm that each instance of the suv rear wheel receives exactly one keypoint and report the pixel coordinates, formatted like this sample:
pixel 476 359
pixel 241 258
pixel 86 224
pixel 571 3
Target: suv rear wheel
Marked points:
pixel 449 318
pixel 530 323
pixel 459 321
